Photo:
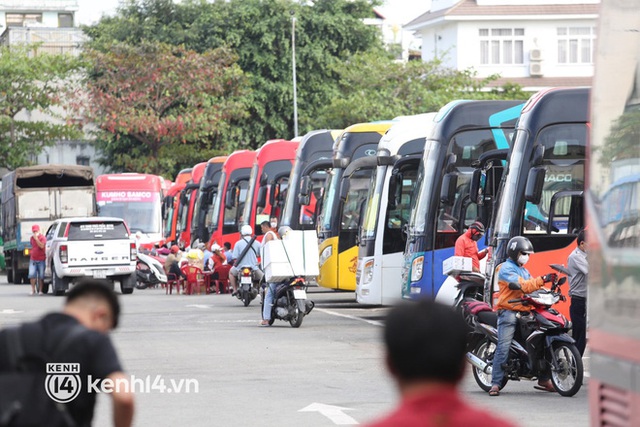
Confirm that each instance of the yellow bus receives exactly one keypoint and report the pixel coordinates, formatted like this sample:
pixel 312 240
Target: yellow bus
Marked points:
pixel 346 189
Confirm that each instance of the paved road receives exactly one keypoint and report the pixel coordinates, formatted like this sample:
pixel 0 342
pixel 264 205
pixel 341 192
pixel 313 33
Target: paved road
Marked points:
pixel 277 376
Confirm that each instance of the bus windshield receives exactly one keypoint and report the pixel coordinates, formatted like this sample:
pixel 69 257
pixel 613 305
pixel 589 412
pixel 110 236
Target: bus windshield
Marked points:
pixel 140 216
pixel 358 189
pixel 430 158
pixel 563 160
pixel 330 199
pixel 215 206
pixel 370 220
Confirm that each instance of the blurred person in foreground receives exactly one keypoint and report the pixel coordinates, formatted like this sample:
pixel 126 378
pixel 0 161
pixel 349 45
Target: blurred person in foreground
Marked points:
pixel 90 312
pixel 425 354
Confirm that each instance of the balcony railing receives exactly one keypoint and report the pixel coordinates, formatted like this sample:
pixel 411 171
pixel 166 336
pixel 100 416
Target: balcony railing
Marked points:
pixel 39 5
pixel 49 40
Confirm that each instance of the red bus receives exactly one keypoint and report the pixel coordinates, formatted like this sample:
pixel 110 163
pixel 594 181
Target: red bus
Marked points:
pixel 170 205
pixel 136 198
pixel 201 221
pixel 186 206
pixel 613 219
pixel 269 177
pixel 230 198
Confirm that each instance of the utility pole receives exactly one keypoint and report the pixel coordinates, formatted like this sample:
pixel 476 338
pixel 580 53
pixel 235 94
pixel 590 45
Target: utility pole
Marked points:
pixel 293 62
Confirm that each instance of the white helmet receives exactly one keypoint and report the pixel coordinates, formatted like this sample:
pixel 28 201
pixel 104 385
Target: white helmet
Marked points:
pixel 246 230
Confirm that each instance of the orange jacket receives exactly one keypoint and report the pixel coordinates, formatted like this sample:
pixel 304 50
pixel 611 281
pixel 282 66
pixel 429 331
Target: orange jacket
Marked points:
pixel 510 272
pixel 467 247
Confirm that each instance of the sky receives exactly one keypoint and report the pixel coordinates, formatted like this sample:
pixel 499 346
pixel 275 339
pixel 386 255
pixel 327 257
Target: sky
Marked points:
pixel 398 11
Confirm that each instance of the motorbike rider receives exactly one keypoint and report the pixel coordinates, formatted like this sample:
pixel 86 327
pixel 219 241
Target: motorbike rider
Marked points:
pixel 512 270
pixel 269 235
pixel 467 246
pixel 250 258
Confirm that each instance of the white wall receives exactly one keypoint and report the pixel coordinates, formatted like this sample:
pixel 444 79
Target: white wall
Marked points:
pixel 462 41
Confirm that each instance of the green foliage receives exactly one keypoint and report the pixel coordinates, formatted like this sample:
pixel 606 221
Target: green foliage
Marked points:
pixel 623 142
pixel 259 31
pixel 372 87
pixel 30 95
pixel 161 104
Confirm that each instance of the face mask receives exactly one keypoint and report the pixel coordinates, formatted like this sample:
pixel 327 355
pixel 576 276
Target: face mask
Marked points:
pixel 523 259
pixel 274 224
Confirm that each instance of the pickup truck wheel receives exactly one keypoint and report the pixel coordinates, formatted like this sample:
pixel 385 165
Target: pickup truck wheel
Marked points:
pixel 59 284
pixel 128 283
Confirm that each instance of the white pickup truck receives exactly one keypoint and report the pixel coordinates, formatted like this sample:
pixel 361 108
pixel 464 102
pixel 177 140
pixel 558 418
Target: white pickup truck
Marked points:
pixel 98 247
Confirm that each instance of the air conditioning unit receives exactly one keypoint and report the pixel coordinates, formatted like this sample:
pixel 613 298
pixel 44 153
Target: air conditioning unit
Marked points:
pixel 535 69
pixel 535 54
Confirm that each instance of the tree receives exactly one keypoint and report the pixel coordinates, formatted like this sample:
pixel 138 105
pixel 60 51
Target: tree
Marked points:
pixel 31 113
pixel 622 141
pixel 372 87
pixel 259 31
pixel 159 106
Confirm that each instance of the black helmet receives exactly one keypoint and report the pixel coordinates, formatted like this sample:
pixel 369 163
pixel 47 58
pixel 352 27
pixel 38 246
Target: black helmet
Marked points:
pixel 477 225
pixel 517 245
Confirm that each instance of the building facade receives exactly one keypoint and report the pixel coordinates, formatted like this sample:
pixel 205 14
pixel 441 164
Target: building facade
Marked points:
pixel 534 43
pixel 52 24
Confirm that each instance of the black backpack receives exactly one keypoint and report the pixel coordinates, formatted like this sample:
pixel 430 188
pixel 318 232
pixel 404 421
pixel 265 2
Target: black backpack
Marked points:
pixel 24 401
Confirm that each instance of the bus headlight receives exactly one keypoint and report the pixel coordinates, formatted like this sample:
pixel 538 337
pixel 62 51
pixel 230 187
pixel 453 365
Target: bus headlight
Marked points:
pixel 367 272
pixel 416 268
pixel 326 254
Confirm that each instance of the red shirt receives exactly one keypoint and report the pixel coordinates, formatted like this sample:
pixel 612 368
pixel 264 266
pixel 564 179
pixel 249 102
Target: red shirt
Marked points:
pixel 38 254
pixel 442 408
pixel 467 247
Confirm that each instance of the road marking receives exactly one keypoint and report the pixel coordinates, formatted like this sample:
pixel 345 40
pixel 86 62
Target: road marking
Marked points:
pixel 199 305
pixel 334 413
pixel 10 311
pixel 348 316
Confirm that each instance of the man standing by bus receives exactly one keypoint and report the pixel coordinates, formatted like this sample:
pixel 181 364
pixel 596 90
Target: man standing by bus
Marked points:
pixel 578 267
pixel 467 246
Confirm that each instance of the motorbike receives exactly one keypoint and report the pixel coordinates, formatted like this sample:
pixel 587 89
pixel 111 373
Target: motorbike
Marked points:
pixel 149 271
pixel 247 286
pixel 541 341
pixel 290 302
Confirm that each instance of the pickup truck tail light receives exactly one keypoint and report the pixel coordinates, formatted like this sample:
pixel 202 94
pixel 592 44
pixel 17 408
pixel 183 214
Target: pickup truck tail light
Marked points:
pixel 64 254
pixel 134 252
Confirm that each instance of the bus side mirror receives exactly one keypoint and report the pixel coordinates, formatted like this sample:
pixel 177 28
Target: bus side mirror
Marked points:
pixel 537 155
pixel 344 189
pixel 261 200
pixel 304 200
pixel 474 188
pixel 263 180
pixel 392 202
pixel 305 186
pixel 229 199
pixel 535 183
pixel 183 198
pixel 448 189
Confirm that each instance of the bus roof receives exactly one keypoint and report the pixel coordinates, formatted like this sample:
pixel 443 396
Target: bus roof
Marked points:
pixel 407 128
pixel 176 188
pixel 465 115
pixel 317 144
pixel 129 181
pixel 184 176
pixel 559 105
pixel 217 159
pixel 198 172
pixel 276 149
pixel 239 159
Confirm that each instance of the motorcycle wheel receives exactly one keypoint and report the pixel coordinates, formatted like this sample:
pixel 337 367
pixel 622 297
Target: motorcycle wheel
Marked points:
pixel 246 298
pixel 482 351
pixel 567 376
pixel 296 320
